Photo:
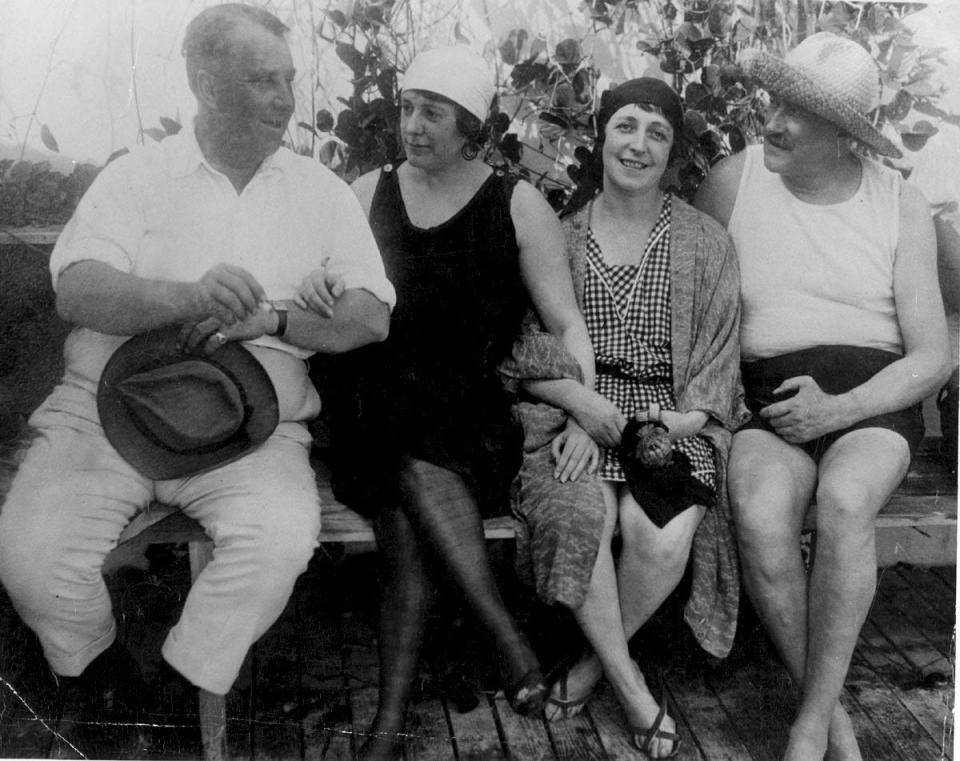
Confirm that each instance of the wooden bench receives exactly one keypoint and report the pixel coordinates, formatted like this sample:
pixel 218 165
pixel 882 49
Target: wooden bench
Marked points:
pixel 917 526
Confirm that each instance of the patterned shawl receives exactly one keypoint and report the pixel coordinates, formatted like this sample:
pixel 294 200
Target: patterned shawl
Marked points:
pixel 705 305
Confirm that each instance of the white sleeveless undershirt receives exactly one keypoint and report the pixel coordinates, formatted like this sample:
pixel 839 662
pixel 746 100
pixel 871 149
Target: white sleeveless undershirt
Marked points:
pixel 816 275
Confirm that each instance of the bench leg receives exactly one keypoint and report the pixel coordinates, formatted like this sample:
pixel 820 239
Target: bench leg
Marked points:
pixel 213 708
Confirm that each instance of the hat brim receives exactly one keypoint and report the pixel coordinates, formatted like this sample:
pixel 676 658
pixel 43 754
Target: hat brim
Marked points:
pixel 159 348
pixel 793 85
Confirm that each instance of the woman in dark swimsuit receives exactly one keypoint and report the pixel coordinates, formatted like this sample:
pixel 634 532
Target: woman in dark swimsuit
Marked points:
pixel 432 445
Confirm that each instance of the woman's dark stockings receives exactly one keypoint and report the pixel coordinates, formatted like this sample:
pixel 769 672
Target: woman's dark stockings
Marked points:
pixel 446 515
pixel 405 602
pixel 439 518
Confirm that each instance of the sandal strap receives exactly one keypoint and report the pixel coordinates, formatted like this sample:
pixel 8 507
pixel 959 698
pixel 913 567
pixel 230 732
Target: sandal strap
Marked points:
pixel 651 733
pixel 643 740
pixel 567 704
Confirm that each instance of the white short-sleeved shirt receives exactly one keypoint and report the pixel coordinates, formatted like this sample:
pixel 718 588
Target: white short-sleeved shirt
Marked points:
pixel 163 212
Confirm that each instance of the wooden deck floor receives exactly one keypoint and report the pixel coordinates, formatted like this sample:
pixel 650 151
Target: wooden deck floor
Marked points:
pixel 308 690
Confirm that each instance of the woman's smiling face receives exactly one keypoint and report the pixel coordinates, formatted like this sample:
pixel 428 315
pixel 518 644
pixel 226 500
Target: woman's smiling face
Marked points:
pixel 636 149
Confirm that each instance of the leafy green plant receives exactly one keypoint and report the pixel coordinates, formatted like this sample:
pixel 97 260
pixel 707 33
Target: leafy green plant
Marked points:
pixel 32 194
pixel 548 92
pixel 548 95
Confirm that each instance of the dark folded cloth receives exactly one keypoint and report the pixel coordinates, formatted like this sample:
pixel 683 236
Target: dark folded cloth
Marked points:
pixel 657 475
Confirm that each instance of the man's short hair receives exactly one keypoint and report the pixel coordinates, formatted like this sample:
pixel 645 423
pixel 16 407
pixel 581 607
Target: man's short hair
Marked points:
pixel 207 42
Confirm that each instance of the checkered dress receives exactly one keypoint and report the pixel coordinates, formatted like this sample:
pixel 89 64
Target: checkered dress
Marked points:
pixel 627 311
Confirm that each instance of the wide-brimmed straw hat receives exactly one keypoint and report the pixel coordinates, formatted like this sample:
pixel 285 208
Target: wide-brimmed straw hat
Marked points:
pixel 172 414
pixel 830 76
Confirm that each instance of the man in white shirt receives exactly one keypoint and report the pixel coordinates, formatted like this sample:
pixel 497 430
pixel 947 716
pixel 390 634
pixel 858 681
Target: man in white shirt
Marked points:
pixel 211 230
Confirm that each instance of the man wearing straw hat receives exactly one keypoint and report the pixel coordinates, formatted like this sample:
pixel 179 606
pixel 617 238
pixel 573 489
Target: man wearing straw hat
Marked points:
pixel 195 247
pixel 842 335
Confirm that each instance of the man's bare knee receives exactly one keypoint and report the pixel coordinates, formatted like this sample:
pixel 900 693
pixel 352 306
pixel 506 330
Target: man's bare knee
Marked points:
pixel 846 508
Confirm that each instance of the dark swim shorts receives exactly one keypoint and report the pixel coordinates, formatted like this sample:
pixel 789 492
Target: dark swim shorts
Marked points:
pixel 836 369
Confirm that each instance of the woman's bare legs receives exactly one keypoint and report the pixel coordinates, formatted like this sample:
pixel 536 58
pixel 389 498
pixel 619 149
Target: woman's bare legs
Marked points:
pixel 620 601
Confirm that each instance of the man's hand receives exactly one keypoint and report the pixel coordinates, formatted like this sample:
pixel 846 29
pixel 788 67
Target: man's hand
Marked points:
pixel 209 335
pixel 319 291
pixel 600 418
pixel 805 416
pixel 574 451
pixel 228 294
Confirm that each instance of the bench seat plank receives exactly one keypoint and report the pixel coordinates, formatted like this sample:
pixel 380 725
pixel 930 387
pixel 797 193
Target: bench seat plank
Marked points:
pixel 926 499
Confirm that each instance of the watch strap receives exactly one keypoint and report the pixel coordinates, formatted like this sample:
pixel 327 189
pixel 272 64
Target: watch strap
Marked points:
pixel 281 320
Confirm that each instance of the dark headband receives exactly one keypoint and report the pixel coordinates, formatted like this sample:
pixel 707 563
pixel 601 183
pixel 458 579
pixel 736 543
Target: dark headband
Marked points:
pixel 642 90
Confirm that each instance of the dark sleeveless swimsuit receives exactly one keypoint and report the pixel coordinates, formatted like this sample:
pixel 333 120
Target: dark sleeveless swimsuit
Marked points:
pixel 431 391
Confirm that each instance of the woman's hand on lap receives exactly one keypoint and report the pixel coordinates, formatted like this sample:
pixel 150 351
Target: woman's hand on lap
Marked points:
pixel 574 452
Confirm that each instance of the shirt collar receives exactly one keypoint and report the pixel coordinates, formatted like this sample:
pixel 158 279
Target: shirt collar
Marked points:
pixel 185 156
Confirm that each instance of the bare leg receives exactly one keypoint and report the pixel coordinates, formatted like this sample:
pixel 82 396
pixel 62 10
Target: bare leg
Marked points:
pixel 771 483
pixel 404 605
pixel 652 563
pixel 600 619
pixel 653 559
pixel 619 602
pixel 857 475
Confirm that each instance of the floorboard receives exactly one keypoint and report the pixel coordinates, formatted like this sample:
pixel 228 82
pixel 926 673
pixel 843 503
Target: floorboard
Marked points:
pixel 478 737
pixel 759 703
pixel 873 744
pixel 277 733
pixel 910 607
pixel 922 590
pixel 310 690
pixel 927 655
pixel 947 574
pixel 360 667
pixel 525 738
pixel 930 704
pixel 902 730
pixel 714 734
pixel 431 736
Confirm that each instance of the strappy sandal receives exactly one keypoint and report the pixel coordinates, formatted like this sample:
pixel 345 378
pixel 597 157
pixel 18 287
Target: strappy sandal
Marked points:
pixel 568 708
pixel 526 696
pixel 643 739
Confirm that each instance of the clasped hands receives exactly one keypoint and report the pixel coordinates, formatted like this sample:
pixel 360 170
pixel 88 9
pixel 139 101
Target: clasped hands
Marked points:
pixel 597 422
pixel 232 306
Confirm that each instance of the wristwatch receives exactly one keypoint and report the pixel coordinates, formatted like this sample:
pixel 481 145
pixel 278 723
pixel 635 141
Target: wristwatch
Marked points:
pixel 280 308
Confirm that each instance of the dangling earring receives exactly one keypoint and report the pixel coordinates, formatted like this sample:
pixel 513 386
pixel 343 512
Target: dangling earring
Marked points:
pixel 838 147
